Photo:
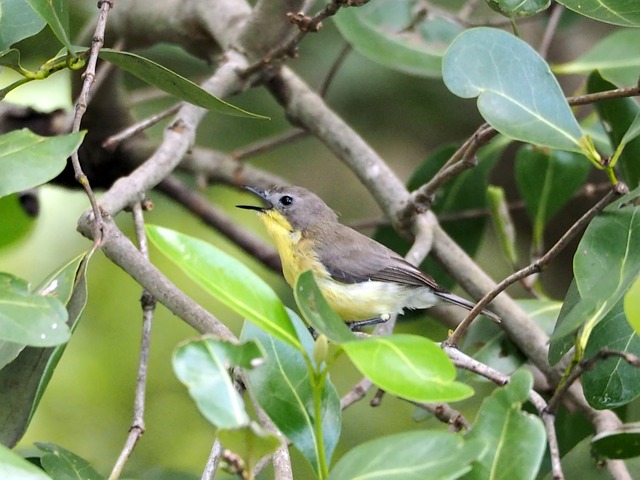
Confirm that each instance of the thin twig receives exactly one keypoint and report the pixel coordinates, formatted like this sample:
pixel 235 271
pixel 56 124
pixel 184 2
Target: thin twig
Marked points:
pixel 305 24
pixel 268 144
pixel 338 62
pixel 211 467
pixel 540 264
pixel 356 393
pixel 114 140
pixel 82 102
pixel 583 366
pixel 548 420
pixel 550 31
pixel 607 95
pixel 148 308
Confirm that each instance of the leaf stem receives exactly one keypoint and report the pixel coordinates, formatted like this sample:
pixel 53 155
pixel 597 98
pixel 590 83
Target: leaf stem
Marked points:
pixel 319 379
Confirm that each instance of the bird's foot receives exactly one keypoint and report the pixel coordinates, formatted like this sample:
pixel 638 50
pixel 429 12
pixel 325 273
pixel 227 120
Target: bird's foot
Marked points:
pixel 355 326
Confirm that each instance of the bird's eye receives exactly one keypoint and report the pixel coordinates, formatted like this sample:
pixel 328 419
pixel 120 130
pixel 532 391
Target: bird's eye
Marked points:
pixel 286 200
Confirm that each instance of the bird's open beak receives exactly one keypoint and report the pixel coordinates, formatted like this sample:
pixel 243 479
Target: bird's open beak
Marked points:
pixel 260 193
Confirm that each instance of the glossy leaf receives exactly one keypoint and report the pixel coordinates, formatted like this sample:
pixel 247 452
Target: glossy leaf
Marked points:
pixel 515 439
pixel 317 312
pixel 203 366
pixel 517 94
pixel 24 380
pixel 519 8
pixel 612 382
pixel 619 116
pixel 618 12
pixel 409 456
pixel 17 21
pixel 56 14
pixel 170 82
pixel 31 318
pixel 502 223
pixel 14 467
pixel 60 463
pixel 632 306
pixel 227 279
pixel 283 389
pixel 379 32
pixel 624 442
pixel 37 159
pixel 250 443
pixel 409 366
pixel 546 181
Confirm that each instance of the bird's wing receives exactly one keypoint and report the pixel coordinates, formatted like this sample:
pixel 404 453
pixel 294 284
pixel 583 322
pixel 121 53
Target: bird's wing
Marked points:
pixel 350 257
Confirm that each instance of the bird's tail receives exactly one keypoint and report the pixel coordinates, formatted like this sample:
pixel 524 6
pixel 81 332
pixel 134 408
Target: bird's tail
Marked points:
pixel 464 303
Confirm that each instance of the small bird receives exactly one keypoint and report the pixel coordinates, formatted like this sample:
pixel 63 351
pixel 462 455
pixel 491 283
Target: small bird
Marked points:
pixel 363 281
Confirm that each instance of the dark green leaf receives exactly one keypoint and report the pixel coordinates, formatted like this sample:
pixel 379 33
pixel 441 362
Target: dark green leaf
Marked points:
pixel 516 440
pixel 618 12
pixel 31 318
pixel 317 312
pixel 170 82
pixel 227 279
pixel 14 467
pixel 17 21
pixel 409 456
pixel 23 381
pixel 28 160
pixel 16 223
pixel 519 8
pixel 502 223
pixel 11 59
pixel 572 314
pixel 56 14
pixel 624 442
pixel 618 115
pixel 612 382
pixel 283 389
pixel 517 94
pixel 62 464
pixel 203 366
pixel 408 366
pixel 546 181
pixel 379 32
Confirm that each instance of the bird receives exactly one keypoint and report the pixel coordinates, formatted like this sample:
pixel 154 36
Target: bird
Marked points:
pixel 363 281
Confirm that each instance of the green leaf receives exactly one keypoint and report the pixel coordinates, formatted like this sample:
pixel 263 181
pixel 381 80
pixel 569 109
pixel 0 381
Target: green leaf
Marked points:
pixel 24 380
pixel 11 58
pixel 515 439
pixel 28 160
pixel 203 366
pixel 632 306
pixel 572 314
pixel 616 58
pixel 620 119
pixel 409 456
pixel 502 223
pixel 547 181
pixel 605 265
pixel 62 464
pixel 14 467
pixel 250 443
pixel 517 94
pixel 623 442
pixel 171 83
pixel 618 12
pixel 519 8
pixel 408 366
pixel 317 312
pixel 379 32
pixel 56 14
pixel 16 222
pixel 17 21
pixel 30 318
pixel 227 279
pixel 612 382
pixel 283 389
